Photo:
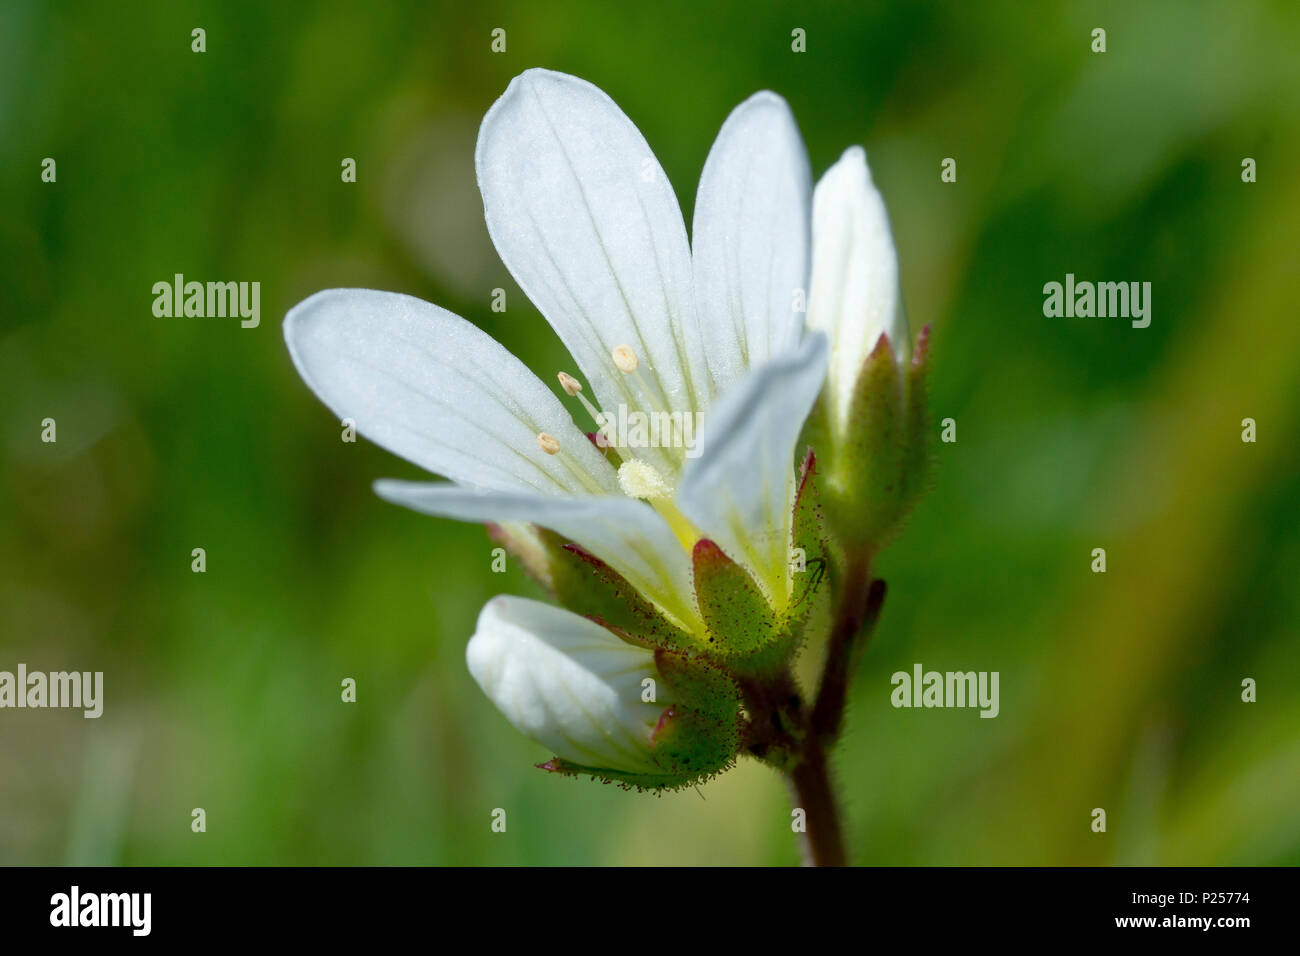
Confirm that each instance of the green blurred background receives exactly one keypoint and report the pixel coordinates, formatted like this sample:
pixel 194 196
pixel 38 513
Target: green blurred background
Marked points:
pixel 1119 691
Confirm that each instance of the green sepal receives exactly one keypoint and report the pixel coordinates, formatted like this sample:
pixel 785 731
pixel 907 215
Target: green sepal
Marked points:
pixel 698 684
pixel 743 633
pixel 865 492
pixel 693 744
pixel 808 532
pixel 588 586
pixel 628 781
pixel 690 745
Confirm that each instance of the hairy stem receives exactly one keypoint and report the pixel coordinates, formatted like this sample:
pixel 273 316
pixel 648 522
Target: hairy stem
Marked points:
pixel 855 619
pixel 810 785
pixel 785 733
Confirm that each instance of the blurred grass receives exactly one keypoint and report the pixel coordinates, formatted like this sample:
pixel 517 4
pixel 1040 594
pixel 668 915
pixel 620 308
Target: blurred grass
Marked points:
pixel 1118 691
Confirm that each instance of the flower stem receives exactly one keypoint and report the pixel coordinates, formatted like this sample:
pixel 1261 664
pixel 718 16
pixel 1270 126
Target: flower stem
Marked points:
pixel 854 619
pixel 794 738
pixel 810 785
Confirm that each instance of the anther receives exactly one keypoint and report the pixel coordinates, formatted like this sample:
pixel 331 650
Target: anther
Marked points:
pixel 625 358
pixel 570 384
pixel 548 443
pixel 573 387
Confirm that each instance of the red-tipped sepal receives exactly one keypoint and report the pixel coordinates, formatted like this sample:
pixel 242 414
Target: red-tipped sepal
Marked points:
pixel 588 586
pixel 743 632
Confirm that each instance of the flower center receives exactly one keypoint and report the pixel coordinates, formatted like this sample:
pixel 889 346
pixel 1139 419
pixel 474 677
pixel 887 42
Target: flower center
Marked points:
pixel 636 477
pixel 640 480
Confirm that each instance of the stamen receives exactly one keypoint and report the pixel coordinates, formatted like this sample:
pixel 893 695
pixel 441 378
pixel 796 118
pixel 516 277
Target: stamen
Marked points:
pixel 570 384
pixel 625 358
pixel 573 387
pixel 548 443
pixel 641 394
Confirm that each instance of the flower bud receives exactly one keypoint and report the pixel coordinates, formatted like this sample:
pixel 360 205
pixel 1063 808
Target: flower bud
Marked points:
pixel 869 428
pixel 603 706
pixel 878 463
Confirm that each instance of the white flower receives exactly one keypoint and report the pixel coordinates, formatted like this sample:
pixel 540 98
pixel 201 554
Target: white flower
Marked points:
pixel 588 224
pixel 567 683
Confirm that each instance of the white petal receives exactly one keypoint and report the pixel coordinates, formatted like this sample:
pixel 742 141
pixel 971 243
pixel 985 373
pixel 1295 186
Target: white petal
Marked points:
pixel 750 238
pixel 740 491
pixel 855 295
pixel 628 535
pixel 587 222
pixel 565 682
pixel 429 386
